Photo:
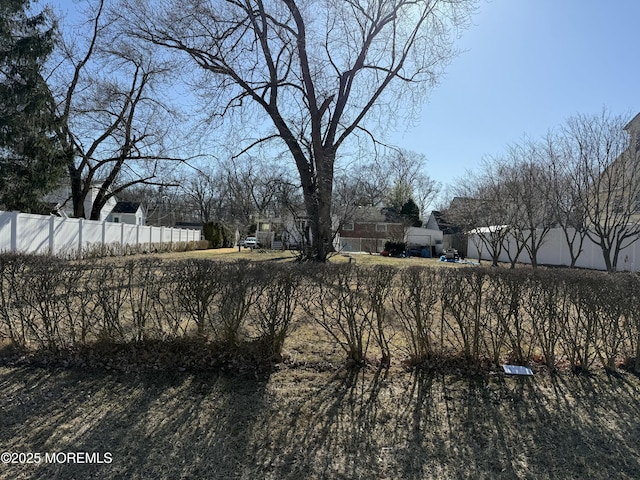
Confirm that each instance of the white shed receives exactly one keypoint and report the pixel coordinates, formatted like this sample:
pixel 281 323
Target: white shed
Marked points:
pixel 131 213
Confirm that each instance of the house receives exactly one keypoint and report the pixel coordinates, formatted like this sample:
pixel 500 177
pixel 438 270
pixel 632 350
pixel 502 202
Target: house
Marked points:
pixel 439 221
pixel 60 202
pixel 367 229
pixel 132 213
pixel 633 129
pixel 269 231
pixel 453 235
pixel 292 230
pixel 614 199
pixel 424 237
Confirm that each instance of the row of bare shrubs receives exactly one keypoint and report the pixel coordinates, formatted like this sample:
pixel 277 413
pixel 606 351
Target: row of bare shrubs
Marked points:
pixel 421 315
pixel 480 315
pixel 52 304
pixel 116 249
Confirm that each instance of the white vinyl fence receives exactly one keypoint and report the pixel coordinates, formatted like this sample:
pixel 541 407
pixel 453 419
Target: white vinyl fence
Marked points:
pixel 41 234
pixel 353 244
pixel 555 251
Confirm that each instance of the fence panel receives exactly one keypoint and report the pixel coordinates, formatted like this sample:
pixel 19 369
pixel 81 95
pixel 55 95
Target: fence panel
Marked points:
pixel 129 234
pixel 43 234
pixel 33 232
pixel 356 244
pixel 91 232
pixel 555 251
pixel 66 235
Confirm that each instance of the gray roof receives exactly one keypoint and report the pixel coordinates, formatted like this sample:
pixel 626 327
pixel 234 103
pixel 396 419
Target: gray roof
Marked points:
pixel 126 207
pixel 374 215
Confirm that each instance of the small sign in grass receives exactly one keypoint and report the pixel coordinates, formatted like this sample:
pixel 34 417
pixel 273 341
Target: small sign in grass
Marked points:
pixel 516 370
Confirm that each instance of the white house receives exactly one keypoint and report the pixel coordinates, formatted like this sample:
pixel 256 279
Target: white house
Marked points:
pixel 132 213
pixel 61 200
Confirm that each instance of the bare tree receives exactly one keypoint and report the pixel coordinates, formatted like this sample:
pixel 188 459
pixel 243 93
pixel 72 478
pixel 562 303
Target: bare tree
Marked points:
pixel 115 126
pixel 408 179
pixel 207 193
pixel 483 208
pixel 255 187
pixel 361 184
pixel 316 70
pixel 525 175
pixel 608 175
pixel 566 189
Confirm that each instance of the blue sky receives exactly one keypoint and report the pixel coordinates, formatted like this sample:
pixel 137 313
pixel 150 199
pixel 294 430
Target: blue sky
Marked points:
pixel 528 65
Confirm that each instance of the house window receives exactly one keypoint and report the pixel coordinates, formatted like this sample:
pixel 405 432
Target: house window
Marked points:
pixel 116 219
pixel 348 227
pixel 381 227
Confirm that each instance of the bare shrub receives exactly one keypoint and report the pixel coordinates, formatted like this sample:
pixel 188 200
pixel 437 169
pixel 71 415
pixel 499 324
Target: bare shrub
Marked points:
pixel 579 328
pixel 631 322
pixel 462 302
pixel 144 286
pixel 78 302
pixel 111 290
pixel 239 290
pixel 378 282
pixel 194 284
pixel 611 302
pixel 415 302
pixel 340 307
pixel 247 309
pixel 276 307
pixel 40 306
pixel 547 306
pixel 506 320
pixel 12 284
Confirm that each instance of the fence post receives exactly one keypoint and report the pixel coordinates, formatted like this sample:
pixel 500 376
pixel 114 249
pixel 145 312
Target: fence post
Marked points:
pixel 137 236
pixel 14 231
pixel 80 223
pixel 122 236
pixel 52 230
pixel 104 234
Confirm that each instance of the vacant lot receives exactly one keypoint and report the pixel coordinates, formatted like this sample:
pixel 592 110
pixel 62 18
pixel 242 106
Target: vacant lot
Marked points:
pixel 312 417
pixel 290 255
pixel 308 422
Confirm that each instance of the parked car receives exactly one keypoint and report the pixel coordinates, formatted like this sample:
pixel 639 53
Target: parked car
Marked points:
pixel 251 242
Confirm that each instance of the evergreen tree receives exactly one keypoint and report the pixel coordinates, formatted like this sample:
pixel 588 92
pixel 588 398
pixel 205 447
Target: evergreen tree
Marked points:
pixel 31 160
pixel 411 212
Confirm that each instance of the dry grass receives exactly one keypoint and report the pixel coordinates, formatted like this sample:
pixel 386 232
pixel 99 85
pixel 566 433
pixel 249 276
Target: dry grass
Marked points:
pixel 314 418
pixel 305 423
pixel 288 255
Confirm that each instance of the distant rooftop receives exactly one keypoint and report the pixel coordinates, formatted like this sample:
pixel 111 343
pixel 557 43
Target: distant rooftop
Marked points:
pixel 126 207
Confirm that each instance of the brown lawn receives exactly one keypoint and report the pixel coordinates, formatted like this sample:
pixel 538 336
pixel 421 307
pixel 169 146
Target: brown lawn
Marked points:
pixel 315 418
pixel 310 422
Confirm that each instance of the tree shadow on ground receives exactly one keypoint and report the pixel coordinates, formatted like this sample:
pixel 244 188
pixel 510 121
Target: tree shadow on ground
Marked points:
pixel 159 426
pixel 302 423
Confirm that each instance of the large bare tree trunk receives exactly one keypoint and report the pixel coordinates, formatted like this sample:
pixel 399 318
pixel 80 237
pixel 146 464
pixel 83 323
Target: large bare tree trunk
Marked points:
pixel 317 69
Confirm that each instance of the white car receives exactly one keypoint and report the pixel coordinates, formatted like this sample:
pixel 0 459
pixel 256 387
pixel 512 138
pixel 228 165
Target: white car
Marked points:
pixel 251 242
